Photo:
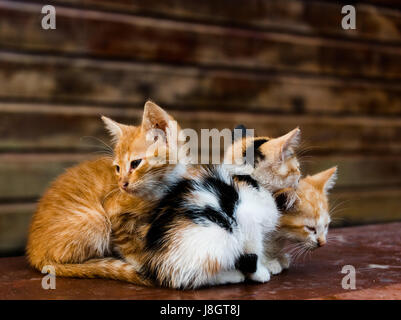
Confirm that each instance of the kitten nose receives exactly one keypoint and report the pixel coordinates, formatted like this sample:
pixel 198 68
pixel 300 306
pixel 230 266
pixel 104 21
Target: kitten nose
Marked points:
pixel 321 242
pixel 125 185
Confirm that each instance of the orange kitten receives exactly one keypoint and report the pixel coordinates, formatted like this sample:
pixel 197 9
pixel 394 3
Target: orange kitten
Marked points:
pixel 306 223
pixel 141 154
pixel 72 227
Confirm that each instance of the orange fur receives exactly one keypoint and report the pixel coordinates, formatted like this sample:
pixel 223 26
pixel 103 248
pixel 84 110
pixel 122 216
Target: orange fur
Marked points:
pixel 139 144
pixel 311 207
pixel 305 223
pixel 86 215
pixel 72 229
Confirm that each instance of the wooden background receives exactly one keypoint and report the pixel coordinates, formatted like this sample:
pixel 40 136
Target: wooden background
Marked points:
pixel 271 65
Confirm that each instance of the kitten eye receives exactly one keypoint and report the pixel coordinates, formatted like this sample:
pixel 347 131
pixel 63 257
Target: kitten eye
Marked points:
pixel 311 229
pixel 117 169
pixel 135 163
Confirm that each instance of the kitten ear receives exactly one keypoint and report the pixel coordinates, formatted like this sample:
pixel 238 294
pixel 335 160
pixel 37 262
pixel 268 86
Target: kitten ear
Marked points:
pixel 289 141
pixel 155 117
pixel 115 129
pixel 325 180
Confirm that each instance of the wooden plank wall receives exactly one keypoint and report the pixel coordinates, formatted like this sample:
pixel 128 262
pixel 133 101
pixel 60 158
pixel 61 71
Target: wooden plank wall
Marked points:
pixel 271 65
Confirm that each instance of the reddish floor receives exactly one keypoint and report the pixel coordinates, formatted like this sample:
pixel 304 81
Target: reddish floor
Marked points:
pixel 373 250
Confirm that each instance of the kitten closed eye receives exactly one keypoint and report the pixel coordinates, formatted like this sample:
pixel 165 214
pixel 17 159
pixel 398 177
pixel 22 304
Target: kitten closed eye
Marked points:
pixel 311 229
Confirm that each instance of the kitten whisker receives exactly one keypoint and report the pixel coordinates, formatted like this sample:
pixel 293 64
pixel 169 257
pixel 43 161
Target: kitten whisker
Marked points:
pixel 99 140
pixel 104 152
pixel 298 252
pixel 338 204
pixel 293 247
pixel 107 149
pixel 306 159
pixel 337 220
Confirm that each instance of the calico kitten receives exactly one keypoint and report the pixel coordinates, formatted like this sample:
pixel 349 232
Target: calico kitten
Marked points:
pixel 72 226
pixel 195 233
pixel 306 223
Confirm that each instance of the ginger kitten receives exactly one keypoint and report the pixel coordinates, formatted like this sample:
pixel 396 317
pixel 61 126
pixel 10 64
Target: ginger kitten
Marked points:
pixel 71 229
pixel 306 223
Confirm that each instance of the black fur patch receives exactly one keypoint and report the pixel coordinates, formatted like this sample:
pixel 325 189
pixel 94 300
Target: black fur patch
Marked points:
pixel 258 142
pixel 281 201
pixel 148 273
pixel 165 212
pixel 173 205
pixel 209 214
pixel 226 194
pixel 247 179
pixel 257 154
pixel 246 263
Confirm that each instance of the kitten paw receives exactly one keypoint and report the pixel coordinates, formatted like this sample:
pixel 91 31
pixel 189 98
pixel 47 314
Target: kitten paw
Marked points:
pixel 232 276
pixel 274 266
pixel 262 274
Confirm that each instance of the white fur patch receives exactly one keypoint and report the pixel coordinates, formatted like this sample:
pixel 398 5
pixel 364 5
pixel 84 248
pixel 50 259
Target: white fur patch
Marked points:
pixel 256 209
pixel 194 247
pixel 203 198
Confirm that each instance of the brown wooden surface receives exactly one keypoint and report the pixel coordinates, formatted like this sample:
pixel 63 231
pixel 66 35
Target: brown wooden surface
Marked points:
pixel 56 127
pixel 121 84
pixel 269 64
pixel 112 35
pixel 372 250
pixel 304 17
